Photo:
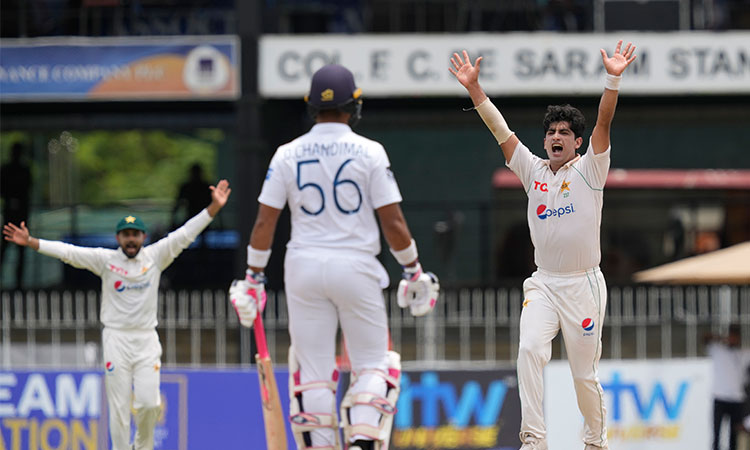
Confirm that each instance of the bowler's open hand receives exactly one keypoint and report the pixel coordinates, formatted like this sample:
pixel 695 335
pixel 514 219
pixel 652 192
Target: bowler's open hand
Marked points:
pixel 620 60
pixel 466 73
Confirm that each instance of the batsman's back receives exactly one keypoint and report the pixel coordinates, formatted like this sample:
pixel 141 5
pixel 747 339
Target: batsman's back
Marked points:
pixel 333 180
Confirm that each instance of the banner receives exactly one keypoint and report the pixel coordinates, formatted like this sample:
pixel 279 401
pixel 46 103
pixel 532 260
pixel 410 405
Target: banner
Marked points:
pixel 652 404
pixel 514 64
pixel 457 409
pixel 39 410
pixel 68 410
pixel 86 69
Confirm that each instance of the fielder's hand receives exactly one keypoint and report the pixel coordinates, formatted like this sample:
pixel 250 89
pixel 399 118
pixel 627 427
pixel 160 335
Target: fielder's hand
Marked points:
pixel 248 297
pixel 17 235
pixel 418 290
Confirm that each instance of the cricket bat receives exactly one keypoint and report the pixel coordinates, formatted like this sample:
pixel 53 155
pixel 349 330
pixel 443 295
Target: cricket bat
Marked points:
pixel 273 417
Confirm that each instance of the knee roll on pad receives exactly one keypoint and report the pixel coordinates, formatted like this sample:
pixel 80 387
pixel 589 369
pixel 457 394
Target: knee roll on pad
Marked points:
pixel 303 422
pixel 380 434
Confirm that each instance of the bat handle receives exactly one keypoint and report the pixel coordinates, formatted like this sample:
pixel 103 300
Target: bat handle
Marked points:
pixel 260 337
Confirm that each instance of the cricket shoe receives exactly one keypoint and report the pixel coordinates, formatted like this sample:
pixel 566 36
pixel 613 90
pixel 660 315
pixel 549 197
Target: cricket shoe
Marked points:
pixel 532 443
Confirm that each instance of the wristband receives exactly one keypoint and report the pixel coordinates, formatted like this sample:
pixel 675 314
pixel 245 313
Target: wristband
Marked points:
pixel 257 258
pixel 255 277
pixel 412 273
pixel 494 121
pixel 612 82
pixel 407 255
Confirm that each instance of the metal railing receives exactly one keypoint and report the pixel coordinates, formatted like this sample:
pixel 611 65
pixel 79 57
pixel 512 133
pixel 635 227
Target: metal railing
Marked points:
pixel 199 328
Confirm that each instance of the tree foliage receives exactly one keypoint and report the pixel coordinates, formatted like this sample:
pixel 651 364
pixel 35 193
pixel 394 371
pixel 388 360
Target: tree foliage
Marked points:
pixel 139 164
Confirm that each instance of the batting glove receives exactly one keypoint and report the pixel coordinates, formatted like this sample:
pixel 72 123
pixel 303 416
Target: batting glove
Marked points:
pixel 248 297
pixel 418 290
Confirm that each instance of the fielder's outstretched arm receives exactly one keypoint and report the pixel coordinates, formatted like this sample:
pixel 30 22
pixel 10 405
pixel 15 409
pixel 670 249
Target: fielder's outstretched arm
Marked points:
pixel 615 66
pixel 219 196
pixel 20 235
pixel 79 257
pixel 468 75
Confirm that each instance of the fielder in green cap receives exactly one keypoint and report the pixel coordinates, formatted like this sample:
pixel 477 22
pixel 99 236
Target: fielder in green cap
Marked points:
pixel 131 234
pixel 130 285
pixel 130 223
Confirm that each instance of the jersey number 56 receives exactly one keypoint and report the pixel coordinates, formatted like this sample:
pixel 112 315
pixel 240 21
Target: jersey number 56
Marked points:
pixel 336 184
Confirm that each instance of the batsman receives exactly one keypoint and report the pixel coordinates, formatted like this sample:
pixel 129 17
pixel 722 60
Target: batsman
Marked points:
pixel 567 291
pixel 336 182
pixel 130 286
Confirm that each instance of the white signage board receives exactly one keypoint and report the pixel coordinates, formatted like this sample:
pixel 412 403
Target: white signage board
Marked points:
pixel 651 404
pixel 514 64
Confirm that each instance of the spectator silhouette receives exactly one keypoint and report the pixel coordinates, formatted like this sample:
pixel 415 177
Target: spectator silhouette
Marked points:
pixel 729 363
pixel 15 185
pixel 194 195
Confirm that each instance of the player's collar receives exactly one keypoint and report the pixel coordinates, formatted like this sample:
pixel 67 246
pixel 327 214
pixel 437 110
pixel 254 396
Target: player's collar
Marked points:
pixel 567 164
pixel 329 127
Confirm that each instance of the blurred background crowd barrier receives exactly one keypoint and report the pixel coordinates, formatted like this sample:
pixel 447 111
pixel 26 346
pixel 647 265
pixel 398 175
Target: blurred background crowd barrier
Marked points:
pixel 478 326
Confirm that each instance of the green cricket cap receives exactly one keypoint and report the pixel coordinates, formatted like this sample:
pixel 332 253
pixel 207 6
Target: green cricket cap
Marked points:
pixel 130 222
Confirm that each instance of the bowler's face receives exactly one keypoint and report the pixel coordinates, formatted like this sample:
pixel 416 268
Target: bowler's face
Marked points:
pixel 560 143
pixel 131 241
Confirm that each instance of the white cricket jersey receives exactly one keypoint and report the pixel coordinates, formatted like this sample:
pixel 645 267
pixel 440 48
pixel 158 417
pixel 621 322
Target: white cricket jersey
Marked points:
pixel 565 209
pixel 129 285
pixel 333 180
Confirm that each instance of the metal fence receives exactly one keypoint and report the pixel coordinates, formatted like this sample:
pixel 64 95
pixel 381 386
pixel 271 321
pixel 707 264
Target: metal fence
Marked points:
pixel 480 326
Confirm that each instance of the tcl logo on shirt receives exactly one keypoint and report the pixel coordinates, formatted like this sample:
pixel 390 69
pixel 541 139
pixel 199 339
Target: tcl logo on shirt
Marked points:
pixel 116 269
pixel 540 186
pixel 543 212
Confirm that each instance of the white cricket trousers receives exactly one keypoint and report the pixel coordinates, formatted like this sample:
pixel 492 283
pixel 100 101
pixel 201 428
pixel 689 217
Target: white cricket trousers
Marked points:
pixel 323 289
pixel 132 360
pixel 574 303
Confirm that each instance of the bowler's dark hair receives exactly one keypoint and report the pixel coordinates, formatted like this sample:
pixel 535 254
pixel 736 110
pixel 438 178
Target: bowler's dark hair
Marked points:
pixel 565 113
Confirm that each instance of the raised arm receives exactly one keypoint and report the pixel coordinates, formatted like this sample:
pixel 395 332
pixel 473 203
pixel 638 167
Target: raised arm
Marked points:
pixel 468 75
pixel 615 65
pixel 20 235
pixel 79 257
pixel 168 248
pixel 219 196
